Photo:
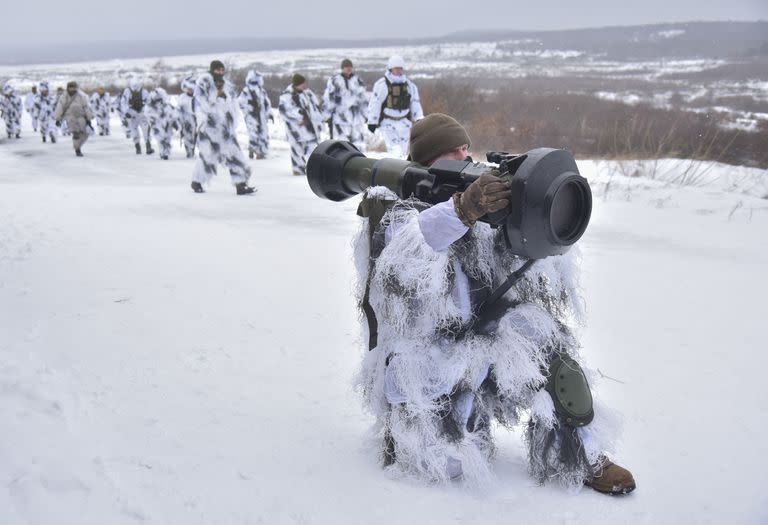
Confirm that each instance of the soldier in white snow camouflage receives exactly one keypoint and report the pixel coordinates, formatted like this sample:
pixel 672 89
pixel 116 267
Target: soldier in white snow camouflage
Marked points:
pixel 117 103
pixel 11 107
pixel 344 105
pixel 187 120
pixel 101 103
pixel 61 125
pixel 133 103
pixel 45 105
pixel 29 105
pixel 163 120
pixel 217 117
pixel 257 110
pixel 394 105
pixel 300 110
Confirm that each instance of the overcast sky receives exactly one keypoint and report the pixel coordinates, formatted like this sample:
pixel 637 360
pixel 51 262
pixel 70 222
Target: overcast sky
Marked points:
pixel 48 21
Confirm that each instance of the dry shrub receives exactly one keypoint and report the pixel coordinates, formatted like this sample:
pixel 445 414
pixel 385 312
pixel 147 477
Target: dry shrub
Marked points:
pixel 519 120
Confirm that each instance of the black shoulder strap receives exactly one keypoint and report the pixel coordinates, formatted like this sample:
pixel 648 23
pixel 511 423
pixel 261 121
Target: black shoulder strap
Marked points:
pixel 374 210
pixel 495 305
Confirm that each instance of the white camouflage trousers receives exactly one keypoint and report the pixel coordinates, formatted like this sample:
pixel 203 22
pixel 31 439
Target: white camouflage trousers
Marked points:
pixel 350 133
pixel 258 136
pixel 103 123
pixel 136 123
pixel 396 134
pixel 211 154
pixel 300 152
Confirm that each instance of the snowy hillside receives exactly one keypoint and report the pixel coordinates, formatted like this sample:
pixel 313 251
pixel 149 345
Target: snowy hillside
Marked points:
pixel 174 358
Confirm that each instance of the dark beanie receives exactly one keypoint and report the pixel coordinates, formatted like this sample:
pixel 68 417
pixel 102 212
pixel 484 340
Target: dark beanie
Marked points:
pixel 216 64
pixel 434 135
pixel 71 84
pixel 297 79
pixel 346 63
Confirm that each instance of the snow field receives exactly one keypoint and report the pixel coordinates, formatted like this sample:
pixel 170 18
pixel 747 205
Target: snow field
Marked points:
pixel 167 357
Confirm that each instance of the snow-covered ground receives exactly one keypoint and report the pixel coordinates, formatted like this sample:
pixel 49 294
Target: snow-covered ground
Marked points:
pixel 174 358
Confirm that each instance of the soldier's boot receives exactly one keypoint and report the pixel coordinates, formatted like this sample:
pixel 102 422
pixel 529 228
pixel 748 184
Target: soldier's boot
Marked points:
pixel 242 188
pixel 78 152
pixel 150 151
pixel 250 153
pixel 53 138
pixel 138 149
pixel 260 156
pixel 197 187
pixel 610 478
pixel 45 139
pixel 18 135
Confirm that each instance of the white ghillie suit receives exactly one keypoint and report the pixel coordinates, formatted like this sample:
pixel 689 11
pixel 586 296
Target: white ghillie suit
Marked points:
pixel 344 103
pixel 133 102
pixel 394 105
pixel 187 120
pixel 12 107
pixel 29 105
pixel 217 116
pixel 435 394
pixel 303 125
pixel 45 105
pixel 256 107
pixel 101 104
pixel 163 120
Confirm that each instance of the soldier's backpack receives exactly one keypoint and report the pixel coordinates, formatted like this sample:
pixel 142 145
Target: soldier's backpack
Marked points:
pixel 136 102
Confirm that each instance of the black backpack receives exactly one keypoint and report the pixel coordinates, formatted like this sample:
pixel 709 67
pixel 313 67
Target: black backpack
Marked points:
pixel 136 102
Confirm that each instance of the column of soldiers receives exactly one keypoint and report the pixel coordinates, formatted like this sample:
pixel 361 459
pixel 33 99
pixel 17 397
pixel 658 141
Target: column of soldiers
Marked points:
pixel 392 108
pixel 208 110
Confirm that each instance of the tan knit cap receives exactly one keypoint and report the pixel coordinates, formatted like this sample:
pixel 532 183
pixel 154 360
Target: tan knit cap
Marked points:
pixel 434 135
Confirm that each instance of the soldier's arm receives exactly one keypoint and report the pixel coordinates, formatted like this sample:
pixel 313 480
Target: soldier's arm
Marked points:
pixel 417 113
pixel 377 99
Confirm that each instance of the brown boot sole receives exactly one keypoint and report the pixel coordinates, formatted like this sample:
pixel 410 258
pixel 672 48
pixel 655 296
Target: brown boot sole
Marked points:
pixel 613 491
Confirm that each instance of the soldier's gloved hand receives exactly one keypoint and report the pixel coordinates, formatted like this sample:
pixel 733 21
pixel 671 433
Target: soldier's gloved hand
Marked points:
pixel 271 118
pixel 486 195
pixel 58 123
pixel 372 127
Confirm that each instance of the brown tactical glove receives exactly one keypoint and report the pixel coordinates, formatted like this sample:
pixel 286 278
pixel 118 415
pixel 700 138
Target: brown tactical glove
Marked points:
pixel 486 195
